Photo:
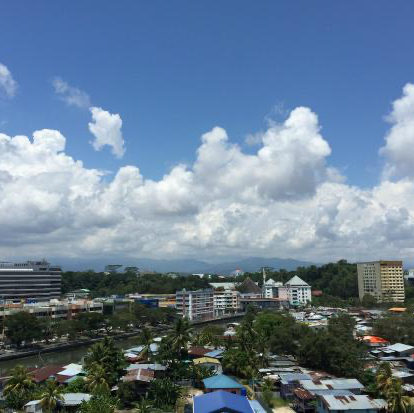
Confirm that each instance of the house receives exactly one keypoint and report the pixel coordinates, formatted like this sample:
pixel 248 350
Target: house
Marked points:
pixel 210 363
pixel 352 385
pixel 355 404
pixel 223 382
pixel 70 403
pixel 304 401
pixel 197 351
pixel 374 341
pixel 289 382
pixel 221 401
pixel 397 350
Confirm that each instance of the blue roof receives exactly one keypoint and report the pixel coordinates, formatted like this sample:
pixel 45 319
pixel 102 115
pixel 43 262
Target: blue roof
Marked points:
pixel 214 353
pixel 220 400
pixel 221 381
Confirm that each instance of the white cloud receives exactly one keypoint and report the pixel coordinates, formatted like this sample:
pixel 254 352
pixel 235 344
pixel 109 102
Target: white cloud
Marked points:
pixel 106 128
pixel 283 200
pixel 8 86
pixel 72 96
pixel 398 149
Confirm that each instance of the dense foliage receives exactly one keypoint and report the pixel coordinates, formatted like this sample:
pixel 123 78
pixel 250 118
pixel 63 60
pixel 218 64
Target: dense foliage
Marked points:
pixel 333 350
pixel 104 285
pixel 334 279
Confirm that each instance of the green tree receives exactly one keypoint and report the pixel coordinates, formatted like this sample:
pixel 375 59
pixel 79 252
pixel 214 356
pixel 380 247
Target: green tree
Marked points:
pixel 146 339
pixel 76 386
pixel 51 395
pixel 180 336
pixel 22 327
pixel 20 380
pixel 383 378
pixel 106 355
pixel 19 387
pixel 96 380
pixel 100 403
pixel 164 393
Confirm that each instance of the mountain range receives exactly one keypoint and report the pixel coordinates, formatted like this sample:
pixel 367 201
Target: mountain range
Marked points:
pixel 188 266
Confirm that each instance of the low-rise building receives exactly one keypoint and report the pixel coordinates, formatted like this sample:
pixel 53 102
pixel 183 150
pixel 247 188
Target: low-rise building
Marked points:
pixel 356 404
pixel 195 305
pixel 54 309
pixel 273 289
pixel 223 382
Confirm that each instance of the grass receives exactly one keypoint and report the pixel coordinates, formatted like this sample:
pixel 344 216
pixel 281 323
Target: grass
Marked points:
pixel 278 402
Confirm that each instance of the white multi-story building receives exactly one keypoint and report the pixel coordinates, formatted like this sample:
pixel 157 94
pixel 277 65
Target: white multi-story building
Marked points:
pixel 273 289
pixel 195 305
pixel 226 301
pixel 298 291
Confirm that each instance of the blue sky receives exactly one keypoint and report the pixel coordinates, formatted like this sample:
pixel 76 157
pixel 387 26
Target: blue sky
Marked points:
pixel 174 70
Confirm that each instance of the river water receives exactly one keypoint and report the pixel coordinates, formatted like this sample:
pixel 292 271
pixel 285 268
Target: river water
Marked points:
pixel 60 358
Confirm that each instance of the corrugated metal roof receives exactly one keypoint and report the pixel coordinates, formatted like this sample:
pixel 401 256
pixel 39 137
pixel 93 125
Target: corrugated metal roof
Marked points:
pixel 221 400
pixel 398 347
pixel 221 381
pixel 139 375
pixel 355 402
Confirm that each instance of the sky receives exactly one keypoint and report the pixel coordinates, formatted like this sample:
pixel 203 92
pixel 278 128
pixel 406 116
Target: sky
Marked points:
pixel 207 130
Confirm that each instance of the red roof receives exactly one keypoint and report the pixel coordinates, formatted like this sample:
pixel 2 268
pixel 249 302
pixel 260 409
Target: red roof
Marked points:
pixel 43 373
pixel 198 351
pixel 375 340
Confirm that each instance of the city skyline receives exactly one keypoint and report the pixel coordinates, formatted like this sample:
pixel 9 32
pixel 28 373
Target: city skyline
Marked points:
pixel 289 135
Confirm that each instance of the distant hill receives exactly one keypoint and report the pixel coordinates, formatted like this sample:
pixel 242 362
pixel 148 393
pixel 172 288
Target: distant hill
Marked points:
pixel 251 264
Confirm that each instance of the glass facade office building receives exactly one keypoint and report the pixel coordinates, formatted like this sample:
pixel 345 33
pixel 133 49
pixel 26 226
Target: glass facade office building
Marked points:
pixel 30 281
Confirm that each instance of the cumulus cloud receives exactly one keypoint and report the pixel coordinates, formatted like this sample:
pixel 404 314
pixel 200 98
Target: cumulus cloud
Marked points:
pixel 106 128
pixel 8 86
pixel 283 200
pixel 72 96
pixel 400 139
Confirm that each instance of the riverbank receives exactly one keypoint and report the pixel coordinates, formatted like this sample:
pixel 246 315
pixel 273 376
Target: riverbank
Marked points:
pixel 53 348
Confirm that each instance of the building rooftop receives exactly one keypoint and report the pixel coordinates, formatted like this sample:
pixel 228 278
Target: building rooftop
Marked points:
pixel 203 360
pixel 221 381
pixel 399 347
pixel 248 286
pixel 296 281
pixel 356 402
pixel 219 401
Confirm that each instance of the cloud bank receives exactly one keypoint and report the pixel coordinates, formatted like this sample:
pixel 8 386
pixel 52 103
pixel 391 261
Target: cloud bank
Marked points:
pixel 284 200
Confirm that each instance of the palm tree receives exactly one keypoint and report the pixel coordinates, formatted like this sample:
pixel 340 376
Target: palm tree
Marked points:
pixel 96 380
pixel 383 378
pixel 51 395
pixel 181 335
pixel 19 382
pixel 397 402
pixel 146 339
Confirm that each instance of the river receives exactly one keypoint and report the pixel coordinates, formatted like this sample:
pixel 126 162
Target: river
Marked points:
pixel 74 355
pixel 62 357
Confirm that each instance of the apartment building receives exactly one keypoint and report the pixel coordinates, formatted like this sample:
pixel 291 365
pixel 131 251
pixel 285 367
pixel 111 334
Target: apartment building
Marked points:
pixel 195 305
pixel 384 280
pixel 273 289
pixel 29 281
pixel 226 301
pixel 298 292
